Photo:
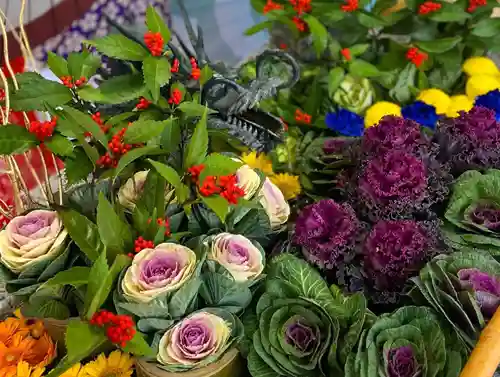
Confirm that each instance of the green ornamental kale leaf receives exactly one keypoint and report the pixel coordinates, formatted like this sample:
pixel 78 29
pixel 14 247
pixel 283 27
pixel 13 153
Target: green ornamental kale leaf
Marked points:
pixel 407 342
pixel 474 209
pixel 464 290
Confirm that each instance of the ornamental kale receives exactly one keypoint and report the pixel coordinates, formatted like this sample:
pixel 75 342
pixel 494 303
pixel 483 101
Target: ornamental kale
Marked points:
pixel 474 208
pixel 394 251
pixel 327 232
pixel 421 113
pixel 406 343
pixel 471 140
pixel 302 327
pixel 463 288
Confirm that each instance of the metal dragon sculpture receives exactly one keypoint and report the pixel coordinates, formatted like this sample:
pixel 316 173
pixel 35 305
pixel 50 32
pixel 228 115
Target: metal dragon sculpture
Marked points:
pixel 236 106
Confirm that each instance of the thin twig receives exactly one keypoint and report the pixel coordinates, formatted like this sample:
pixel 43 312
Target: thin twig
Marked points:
pixel 59 180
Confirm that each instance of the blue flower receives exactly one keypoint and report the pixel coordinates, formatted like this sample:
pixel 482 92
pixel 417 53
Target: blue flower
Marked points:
pixel 421 113
pixel 345 122
pixel 490 100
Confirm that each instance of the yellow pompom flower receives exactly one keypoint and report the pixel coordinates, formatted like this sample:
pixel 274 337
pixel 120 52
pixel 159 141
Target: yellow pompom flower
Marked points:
pixel 459 103
pixel 481 84
pixel 288 184
pixel 480 65
pixel 435 97
pixel 258 161
pixel 117 364
pixel 378 110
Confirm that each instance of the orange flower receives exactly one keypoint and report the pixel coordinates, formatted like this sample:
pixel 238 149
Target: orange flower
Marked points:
pixel 16 351
pixel 11 326
pixel 43 350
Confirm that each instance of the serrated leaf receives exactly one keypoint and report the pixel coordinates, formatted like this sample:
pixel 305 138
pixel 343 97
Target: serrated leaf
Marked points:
pixel 194 109
pixel 156 24
pixel 78 166
pixel 157 73
pixel 137 346
pixel 57 64
pixel 59 145
pixel 116 90
pixel 44 307
pixel 79 123
pixel 217 204
pixel 133 155
pixel 198 144
pixel 167 172
pixel 119 47
pixel 142 131
pixel 75 276
pixel 35 92
pixel 15 139
pixel 217 164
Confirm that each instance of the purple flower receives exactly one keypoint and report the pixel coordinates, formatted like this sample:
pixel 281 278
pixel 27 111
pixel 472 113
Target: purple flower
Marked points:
pixel 335 145
pixel 393 133
pixel 490 100
pixel 486 289
pixel 401 362
pixel 485 215
pixel 471 140
pixel 345 122
pixel 395 251
pixel 301 336
pixel 421 113
pixel 326 230
pixel 393 183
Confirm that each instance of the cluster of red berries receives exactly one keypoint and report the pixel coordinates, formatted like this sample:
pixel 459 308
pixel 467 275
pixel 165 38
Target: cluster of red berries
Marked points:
pixel 143 104
pixel 97 118
pixel 428 7
pixel 416 56
pixel 270 6
pixel 301 6
pixel 154 42
pixel 346 53
pixel 43 130
pixel 195 70
pixel 140 244
pixel 117 147
pixel 175 66
pixel 175 97
pixel 119 328
pixel 350 6
pixel 300 24
pixel 302 117
pixel 68 81
pixel 473 4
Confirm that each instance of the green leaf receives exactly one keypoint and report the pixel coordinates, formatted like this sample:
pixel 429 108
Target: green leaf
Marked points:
pixel 167 172
pixel 120 118
pixel 261 26
pixel 45 307
pixel 217 204
pixel 217 164
pixel 198 145
pixel 101 282
pixel 194 109
pixel 157 73
pixel 335 78
pixel 156 24
pixel 171 136
pixel 57 64
pixel 74 117
pixel 319 34
pixel 258 367
pixel 35 92
pixel 183 299
pixel 450 13
pixel 133 155
pixel 361 68
pixel 75 64
pixel 15 139
pixel 83 232
pixel 206 74
pixel 222 291
pixel 119 47
pixel 487 27
pixel 116 90
pixel 82 340
pixel 75 276
pixel 141 131
pixel 137 346
pixel 115 234
pixel 78 166
pixel 359 49
pixel 59 145
pixel 439 46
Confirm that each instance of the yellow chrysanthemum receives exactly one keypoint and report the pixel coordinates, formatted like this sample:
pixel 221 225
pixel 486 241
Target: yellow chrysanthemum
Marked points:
pixel 378 110
pixel 288 184
pixel 23 369
pixel 74 371
pixel 459 103
pixel 437 98
pixel 481 84
pixel 480 65
pixel 117 364
pixel 258 161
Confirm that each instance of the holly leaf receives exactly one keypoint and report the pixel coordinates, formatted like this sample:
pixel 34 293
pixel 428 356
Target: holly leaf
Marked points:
pixel 119 47
pixel 167 172
pixel 193 109
pixel 116 90
pixel 142 131
pixel 218 204
pixel 77 166
pixel 57 64
pixel 157 73
pixel 156 24
pixel 59 145
pixel 137 346
pixel 171 136
pixel 198 145
pixel 133 155
pixel 15 139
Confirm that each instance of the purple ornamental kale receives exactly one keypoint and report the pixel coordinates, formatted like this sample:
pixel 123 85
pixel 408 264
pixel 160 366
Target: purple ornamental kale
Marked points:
pixel 393 133
pixel 327 231
pixel 396 250
pixel 301 336
pixel 471 140
pixel 401 362
pixel 485 215
pixel 392 184
pixel 486 289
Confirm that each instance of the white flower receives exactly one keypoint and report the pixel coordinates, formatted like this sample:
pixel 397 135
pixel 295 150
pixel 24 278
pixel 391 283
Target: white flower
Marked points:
pixel 274 203
pixel 248 180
